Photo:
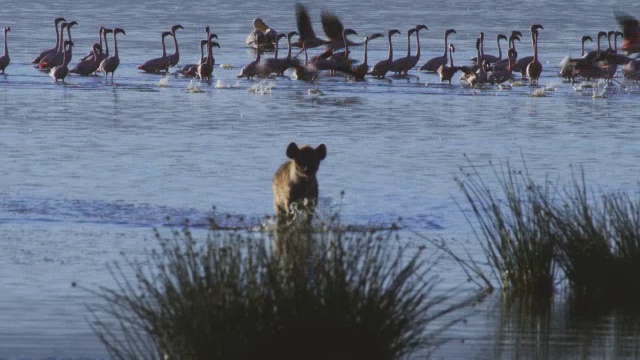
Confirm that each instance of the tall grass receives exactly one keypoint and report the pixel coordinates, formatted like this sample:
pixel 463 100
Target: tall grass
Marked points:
pixel 599 243
pixel 515 231
pixel 528 231
pixel 313 295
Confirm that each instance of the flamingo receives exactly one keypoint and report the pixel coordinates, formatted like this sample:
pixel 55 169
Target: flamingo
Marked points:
pixel 55 48
pixel 175 57
pixel 251 69
pixel 534 69
pixel 500 76
pixel 408 63
pixel 631 33
pixel 57 58
pixel 568 65
pixel 380 69
pixel 90 65
pixel 522 63
pixel 446 72
pixel 306 72
pixel 110 64
pixel 60 72
pixel 331 25
pixel 105 51
pixel 280 66
pixel 433 64
pixel 59 49
pixel 158 64
pixel 90 54
pixel 494 59
pixel 4 60
pixel 397 65
pixel 205 69
pixel 191 70
pixel 341 59
pixel 266 66
pixel 360 71
pixel 502 64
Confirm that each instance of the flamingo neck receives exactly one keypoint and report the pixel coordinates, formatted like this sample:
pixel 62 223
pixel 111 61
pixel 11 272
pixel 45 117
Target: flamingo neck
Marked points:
pixel 164 48
pixel 210 53
pixel 175 42
pixel 69 32
pixel 446 45
pixel 57 37
pixel 6 48
pixel 418 45
pixel 408 44
pixel 599 36
pixel 289 48
pixel 535 47
pixel 366 45
pixel 390 58
pixel 450 59
pixel 499 50
pixel 61 42
pixel 106 44
pixel 115 45
pixel 346 46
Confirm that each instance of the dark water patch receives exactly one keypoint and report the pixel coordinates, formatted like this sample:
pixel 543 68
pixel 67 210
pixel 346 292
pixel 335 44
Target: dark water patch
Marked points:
pixel 26 210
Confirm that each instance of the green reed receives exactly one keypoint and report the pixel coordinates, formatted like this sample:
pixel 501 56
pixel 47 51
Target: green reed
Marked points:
pixel 294 293
pixel 515 230
pixel 599 243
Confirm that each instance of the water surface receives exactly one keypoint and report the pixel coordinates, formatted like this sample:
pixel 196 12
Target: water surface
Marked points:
pixel 90 168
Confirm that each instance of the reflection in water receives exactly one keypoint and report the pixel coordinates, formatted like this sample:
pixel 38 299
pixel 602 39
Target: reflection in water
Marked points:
pixel 564 328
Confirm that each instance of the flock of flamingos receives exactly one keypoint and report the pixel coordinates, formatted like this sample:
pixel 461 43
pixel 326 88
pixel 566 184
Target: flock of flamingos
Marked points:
pixel 601 63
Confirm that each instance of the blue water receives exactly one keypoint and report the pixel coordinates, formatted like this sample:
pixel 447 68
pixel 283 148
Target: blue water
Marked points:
pixel 89 168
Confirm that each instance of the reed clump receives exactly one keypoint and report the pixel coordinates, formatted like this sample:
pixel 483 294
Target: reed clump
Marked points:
pixel 528 232
pixel 290 294
pixel 515 230
pixel 598 244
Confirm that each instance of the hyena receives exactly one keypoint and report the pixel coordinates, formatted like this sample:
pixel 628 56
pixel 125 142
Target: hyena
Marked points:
pixel 295 182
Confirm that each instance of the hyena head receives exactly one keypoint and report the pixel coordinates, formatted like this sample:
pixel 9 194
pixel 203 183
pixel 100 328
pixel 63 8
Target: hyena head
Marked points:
pixel 306 158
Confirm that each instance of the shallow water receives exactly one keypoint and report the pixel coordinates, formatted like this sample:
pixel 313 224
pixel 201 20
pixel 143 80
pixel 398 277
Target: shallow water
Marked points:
pixel 90 168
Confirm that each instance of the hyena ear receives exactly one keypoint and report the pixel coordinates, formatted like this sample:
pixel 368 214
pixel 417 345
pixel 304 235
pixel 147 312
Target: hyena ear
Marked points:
pixel 321 150
pixel 292 150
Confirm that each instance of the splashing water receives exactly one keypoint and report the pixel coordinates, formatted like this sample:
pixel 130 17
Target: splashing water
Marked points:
pixel 220 84
pixel 194 87
pixel 540 92
pixel 164 82
pixel 314 92
pixel 598 92
pixel 262 88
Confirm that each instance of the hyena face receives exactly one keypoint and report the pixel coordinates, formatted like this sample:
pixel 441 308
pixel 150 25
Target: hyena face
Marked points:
pixel 306 158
